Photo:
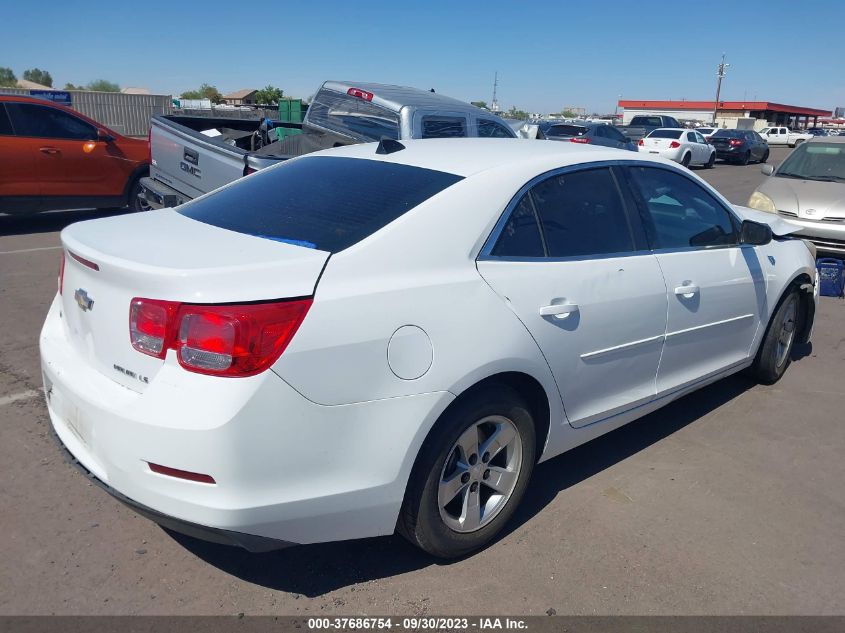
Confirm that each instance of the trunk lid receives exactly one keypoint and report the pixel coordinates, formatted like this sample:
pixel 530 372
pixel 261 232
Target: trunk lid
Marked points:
pixel 165 255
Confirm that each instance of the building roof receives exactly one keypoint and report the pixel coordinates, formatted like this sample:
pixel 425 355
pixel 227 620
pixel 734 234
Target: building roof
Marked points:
pixel 240 94
pixel 723 105
pixel 135 90
pixel 31 85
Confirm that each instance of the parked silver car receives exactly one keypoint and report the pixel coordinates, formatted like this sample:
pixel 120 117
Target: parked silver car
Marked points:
pixel 809 189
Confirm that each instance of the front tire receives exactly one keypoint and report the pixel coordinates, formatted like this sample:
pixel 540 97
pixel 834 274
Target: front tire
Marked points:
pixel 775 351
pixel 712 161
pixel 471 474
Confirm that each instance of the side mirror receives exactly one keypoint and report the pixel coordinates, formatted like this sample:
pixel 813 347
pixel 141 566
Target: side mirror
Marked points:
pixel 767 170
pixel 105 137
pixel 755 233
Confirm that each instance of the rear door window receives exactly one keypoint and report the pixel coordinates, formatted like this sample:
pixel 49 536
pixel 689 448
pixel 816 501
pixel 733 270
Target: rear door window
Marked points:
pixel 520 236
pixel 5 123
pixel 491 129
pixel 444 127
pixel 30 119
pixel 327 203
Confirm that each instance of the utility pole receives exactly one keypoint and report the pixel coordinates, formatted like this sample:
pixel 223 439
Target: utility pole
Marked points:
pixel 723 67
pixel 494 107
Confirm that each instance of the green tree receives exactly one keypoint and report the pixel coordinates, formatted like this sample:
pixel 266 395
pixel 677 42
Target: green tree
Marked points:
pixel 102 85
pixel 7 78
pixel 479 104
pixel 70 86
pixel 38 76
pixel 513 113
pixel 568 114
pixel 269 95
pixel 205 91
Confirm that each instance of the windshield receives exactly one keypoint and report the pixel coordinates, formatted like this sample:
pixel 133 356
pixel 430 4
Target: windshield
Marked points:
pixel 352 116
pixel 665 134
pixel 327 203
pixel 815 161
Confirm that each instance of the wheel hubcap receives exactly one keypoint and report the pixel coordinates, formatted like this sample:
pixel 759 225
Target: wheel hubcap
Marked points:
pixel 787 332
pixel 480 474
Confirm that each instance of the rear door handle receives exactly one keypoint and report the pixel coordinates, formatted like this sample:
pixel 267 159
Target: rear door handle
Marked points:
pixel 559 310
pixel 50 150
pixel 687 290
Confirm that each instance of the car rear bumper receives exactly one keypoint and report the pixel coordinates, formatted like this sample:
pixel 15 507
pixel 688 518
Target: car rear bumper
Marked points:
pixel 158 195
pixel 284 467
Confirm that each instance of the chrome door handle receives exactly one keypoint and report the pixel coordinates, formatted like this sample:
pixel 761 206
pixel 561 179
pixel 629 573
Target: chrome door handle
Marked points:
pixel 687 291
pixel 559 310
pixel 50 150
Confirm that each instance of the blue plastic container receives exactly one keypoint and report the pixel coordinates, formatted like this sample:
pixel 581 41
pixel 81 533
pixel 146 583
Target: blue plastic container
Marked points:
pixel 831 277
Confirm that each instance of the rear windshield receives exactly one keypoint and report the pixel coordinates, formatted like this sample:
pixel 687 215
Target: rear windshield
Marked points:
pixel 327 203
pixel 352 116
pixel 666 134
pixel 566 130
pixel 729 134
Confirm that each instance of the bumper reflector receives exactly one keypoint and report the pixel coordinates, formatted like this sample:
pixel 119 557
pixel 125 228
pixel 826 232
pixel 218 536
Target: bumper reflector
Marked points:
pixel 181 474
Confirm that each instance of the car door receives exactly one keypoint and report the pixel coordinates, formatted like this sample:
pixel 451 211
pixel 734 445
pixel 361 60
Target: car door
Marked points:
pixel 19 186
pixel 696 148
pixel 619 139
pixel 599 136
pixel 70 160
pixel 715 287
pixel 568 260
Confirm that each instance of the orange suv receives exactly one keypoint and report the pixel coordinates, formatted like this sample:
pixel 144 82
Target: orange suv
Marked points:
pixel 52 157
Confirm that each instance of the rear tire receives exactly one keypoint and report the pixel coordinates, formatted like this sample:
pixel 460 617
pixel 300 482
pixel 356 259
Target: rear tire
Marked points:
pixel 775 351
pixel 448 479
pixel 765 157
pixel 136 203
pixel 685 161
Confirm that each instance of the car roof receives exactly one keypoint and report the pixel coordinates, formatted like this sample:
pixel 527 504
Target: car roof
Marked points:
pixel 827 139
pixel 468 156
pixel 395 97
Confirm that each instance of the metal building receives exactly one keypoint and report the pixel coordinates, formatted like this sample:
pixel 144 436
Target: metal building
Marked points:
pixel 773 113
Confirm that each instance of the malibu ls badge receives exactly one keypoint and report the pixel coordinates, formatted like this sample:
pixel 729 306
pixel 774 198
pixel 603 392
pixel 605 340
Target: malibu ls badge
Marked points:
pixel 84 302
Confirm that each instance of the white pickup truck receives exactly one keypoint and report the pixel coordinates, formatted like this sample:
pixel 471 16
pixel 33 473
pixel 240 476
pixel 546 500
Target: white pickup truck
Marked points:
pixel 194 155
pixel 784 136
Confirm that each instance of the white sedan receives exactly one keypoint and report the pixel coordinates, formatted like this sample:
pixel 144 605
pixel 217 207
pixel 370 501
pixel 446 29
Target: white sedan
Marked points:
pixel 687 147
pixel 380 338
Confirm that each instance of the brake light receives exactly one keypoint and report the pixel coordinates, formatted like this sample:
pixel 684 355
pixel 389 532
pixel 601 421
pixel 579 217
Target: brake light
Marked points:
pixel 62 273
pixel 579 139
pixel 641 143
pixel 674 145
pixel 361 94
pixel 735 142
pixel 220 340
pixel 249 170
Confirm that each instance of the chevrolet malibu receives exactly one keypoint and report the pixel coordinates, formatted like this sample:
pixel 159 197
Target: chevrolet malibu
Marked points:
pixel 389 337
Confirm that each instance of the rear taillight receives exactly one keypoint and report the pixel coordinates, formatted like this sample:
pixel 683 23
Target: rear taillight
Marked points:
pixel 62 273
pixel 674 145
pixel 249 170
pixel 221 340
pixel 361 94
pixel 641 143
pixel 579 139
pixel 735 142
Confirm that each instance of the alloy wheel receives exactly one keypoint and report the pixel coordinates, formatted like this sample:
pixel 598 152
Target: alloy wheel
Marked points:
pixel 787 331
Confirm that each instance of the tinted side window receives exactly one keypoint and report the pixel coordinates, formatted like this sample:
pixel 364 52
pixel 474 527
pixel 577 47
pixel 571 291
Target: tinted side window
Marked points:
pixel 582 213
pixel 491 129
pixel 5 123
pixel 45 122
pixel 680 213
pixel 615 134
pixel 521 235
pixel 443 127
pixel 691 137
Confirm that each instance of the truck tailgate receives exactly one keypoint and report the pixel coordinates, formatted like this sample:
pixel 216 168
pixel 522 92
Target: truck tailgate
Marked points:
pixel 189 162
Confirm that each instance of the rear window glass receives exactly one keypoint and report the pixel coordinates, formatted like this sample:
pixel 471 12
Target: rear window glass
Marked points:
pixel 566 130
pixel 729 134
pixel 646 120
pixel 328 203
pixel 352 116
pixel 666 134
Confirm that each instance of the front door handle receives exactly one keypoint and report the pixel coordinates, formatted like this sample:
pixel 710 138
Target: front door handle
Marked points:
pixel 559 310
pixel 50 150
pixel 687 290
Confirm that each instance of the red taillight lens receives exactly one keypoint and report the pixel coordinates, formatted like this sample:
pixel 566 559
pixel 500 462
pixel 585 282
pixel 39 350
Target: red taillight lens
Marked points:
pixel 249 170
pixel 641 143
pixel 181 474
pixel 579 139
pixel 150 325
pixel 735 142
pixel 62 273
pixel 674 145
pixel 361 94
pixel 221 340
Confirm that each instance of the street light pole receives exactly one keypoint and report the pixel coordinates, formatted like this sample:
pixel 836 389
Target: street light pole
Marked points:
pixel 720 74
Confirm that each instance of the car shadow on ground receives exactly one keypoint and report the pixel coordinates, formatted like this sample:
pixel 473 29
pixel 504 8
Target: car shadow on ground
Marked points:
pixel 52 221
pixel 314 570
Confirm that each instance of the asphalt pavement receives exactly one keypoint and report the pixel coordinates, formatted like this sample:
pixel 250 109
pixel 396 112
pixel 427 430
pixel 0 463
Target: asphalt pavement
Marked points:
pixel 728 501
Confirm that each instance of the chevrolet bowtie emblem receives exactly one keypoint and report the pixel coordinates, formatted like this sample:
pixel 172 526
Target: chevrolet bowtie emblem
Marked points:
pixel 84 302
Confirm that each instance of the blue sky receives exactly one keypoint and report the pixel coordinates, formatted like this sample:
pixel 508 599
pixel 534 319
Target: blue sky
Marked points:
pixel 547 56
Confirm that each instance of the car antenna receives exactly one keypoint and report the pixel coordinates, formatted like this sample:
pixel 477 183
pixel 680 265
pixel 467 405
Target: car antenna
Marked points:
pixel 388 146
